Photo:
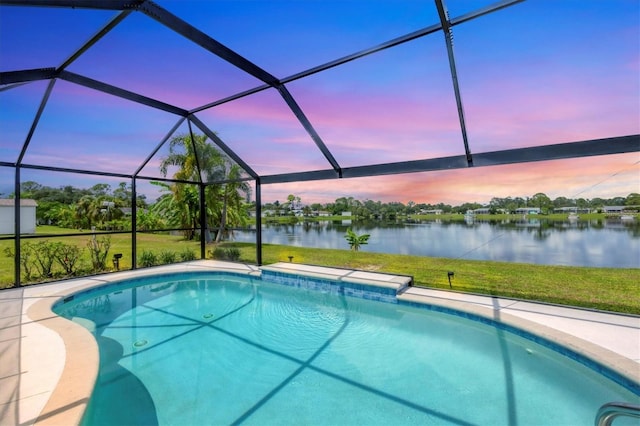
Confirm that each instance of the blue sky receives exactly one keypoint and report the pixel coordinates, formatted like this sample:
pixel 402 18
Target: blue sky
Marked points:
pixel 536 73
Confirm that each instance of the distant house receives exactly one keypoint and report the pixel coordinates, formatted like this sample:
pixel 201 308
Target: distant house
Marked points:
pixel 572 209
pixel 482 210
pixel 528 210
pixel 566 210
pixel 613 209
pixel 434 211
pixel 27 216
pixel 620 210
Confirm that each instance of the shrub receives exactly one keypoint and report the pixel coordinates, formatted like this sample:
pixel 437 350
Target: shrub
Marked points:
pixel 26 253
pixel 67 256
pixel 167 256
pixel 217 253
pixel 231 253
pixel 45 254
pixel 187 255
pixel 147 258
pixel 42 255
pixel 99 249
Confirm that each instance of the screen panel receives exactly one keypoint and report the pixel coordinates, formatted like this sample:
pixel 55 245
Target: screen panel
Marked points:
pixel 295 36
pixel 18 108
pixel 70 202
pixel 43 37
pixel 265 133
pixel 85 129
pixel 161 64
pixel 526 85
pixel 395 105
pixel 7 179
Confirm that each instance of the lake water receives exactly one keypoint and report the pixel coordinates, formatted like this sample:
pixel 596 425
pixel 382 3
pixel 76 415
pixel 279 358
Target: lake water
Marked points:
pixel 601 243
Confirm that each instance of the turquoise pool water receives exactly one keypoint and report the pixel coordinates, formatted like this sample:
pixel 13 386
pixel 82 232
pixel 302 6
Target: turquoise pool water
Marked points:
pixel 223 349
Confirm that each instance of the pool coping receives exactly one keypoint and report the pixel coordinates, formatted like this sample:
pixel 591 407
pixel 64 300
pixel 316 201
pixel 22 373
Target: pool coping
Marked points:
pixel 71 386
pixel 545 335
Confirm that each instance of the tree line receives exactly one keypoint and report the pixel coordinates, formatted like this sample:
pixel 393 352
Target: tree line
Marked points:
pixel 228 199
pixel 378 209
pixel 103 207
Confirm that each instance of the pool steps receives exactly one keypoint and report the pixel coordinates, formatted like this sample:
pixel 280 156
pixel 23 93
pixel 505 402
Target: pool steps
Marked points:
pixel 366 285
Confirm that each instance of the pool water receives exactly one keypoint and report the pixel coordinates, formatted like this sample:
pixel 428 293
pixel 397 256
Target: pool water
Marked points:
pixel 228 349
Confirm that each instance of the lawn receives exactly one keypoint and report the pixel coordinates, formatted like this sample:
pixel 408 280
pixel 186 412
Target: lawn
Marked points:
pixel 609 289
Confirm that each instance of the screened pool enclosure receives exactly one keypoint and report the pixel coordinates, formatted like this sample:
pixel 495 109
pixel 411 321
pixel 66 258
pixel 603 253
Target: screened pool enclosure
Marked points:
pixel 304 95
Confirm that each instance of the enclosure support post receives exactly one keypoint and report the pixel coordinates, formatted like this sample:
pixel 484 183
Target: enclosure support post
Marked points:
pixel 203 222
pixel 16 230
pixel 258 223
pixel 134 224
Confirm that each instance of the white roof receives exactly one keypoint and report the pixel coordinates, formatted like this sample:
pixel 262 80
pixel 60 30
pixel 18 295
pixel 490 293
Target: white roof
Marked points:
pixel 10 202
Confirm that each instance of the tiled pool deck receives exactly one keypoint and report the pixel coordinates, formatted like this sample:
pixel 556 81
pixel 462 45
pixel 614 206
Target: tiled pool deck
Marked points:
pixel 35 361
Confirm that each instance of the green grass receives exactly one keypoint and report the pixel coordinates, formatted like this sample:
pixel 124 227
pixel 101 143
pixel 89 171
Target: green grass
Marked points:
pixel 610 289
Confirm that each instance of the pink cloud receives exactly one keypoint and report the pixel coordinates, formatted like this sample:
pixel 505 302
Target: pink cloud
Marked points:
pixel 551 100
pixel 606 177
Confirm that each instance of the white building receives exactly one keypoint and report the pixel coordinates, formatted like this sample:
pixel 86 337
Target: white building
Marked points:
pixel 613 209
pixel 572 209
pixel 482 210
pixel 528 210
pixel 27 216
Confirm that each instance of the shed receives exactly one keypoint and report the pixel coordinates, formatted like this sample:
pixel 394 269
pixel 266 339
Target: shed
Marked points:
pixel 27 216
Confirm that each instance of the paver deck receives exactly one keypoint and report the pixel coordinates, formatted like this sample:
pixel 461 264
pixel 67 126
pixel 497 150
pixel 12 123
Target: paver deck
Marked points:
pixel 33 356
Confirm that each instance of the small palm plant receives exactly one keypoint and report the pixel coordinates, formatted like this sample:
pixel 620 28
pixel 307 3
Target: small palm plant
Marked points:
pixel 355 241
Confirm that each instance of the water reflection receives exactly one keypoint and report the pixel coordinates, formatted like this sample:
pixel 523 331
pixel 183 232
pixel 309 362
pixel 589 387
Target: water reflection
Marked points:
pixel 610 242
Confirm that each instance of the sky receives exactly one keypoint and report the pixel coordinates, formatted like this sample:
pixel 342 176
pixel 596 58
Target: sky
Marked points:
pixel 536 73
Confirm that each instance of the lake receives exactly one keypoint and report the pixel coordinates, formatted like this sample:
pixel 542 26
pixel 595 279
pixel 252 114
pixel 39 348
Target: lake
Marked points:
pixel 600 243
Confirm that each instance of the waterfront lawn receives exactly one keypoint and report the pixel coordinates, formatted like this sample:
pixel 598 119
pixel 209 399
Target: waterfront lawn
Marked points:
pixel 609 289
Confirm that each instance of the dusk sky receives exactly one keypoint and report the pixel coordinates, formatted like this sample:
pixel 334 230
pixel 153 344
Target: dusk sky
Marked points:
pixel 536 73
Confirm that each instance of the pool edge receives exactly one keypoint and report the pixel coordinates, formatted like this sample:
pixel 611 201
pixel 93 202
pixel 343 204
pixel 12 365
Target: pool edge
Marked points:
pixel 626 368
pixel 69 398
pixel 71 394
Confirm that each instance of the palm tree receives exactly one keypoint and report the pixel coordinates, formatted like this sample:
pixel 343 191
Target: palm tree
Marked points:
pixel 64 216
pixel 86 212
pixel 227 200
pixel 179 206
pixel 223 201
pixel 355 241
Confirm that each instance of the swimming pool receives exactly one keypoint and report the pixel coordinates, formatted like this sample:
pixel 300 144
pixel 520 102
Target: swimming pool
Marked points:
pixel 218 348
